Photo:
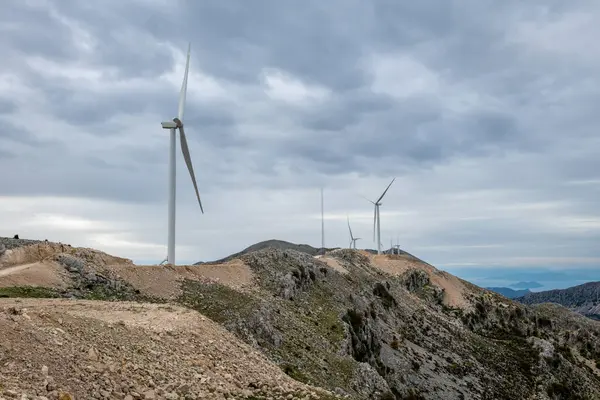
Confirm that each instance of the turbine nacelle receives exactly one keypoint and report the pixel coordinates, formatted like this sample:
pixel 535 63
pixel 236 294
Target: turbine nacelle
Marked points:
pixel 176 123
pixel 169 125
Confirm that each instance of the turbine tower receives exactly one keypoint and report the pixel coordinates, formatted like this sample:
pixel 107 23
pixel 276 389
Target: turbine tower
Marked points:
pixel 352 238
pixel 173 126
pixel 322 224
pixel 377 219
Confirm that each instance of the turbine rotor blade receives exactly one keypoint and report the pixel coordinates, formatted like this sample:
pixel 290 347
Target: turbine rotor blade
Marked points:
pixel 188 161
pixel 370 201
pixel 386 189
pixel 183 93
pixel 350 229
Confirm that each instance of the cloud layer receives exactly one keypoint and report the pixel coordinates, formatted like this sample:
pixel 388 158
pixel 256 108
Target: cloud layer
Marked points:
pixel 485 111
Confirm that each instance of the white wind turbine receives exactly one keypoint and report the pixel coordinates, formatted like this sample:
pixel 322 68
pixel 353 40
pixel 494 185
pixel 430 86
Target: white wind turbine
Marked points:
pixel 397 245
pixel 177 124
pixel 377 219
pixel 352 238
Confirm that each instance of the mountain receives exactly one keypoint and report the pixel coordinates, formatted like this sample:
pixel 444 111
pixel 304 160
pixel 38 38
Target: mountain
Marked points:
pixel 283 245
pixel 527 285
pixel 279 324
pixel 508 292
pixel 273 244
pixel 584 299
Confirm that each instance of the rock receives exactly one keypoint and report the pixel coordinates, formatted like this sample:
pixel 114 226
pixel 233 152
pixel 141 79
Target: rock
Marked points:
pixel 49 384
pixel 183 389
pixel 44 370
pixel 92 354
pixel 149 395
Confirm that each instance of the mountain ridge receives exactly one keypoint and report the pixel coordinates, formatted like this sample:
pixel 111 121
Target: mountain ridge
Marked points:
pixel 509 292
pixel 285 245
pixel 584 299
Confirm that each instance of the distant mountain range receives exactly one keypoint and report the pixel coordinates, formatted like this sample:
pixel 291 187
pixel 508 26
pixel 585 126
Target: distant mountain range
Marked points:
pixel 584 299
pixel 508 292
pixel 527 285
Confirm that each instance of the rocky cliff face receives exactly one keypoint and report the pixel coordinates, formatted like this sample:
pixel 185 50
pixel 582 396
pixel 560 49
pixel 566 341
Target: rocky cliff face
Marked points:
pixel 584 299
pixel 369 334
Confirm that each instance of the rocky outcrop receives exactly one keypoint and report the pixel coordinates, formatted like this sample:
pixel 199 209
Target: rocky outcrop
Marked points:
pixel 371 335
pixel 10 243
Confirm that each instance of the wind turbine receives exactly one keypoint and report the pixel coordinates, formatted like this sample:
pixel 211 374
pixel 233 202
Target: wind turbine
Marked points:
pixel 322 224
pixel 177 124
pixel 377 219
pixel 397 246
pixel 352 238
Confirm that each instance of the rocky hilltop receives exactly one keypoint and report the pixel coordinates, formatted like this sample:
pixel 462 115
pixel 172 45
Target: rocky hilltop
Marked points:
pixel 281 324
pixel 272 244
pixel 584 299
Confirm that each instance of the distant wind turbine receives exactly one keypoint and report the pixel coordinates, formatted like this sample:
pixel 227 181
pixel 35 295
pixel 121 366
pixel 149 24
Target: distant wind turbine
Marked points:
pixel 377 219
pixel 352 238
pixel 322 224
pixel 177 124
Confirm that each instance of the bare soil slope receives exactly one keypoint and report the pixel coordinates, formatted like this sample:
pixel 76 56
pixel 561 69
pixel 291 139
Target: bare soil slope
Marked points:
pixel 114 350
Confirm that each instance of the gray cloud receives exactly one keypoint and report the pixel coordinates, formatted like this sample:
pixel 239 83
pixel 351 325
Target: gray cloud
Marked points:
pixel 484 110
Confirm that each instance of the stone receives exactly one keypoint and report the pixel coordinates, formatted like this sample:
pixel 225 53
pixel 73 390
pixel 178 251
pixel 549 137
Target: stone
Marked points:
pixel 149 395
pixel 92 354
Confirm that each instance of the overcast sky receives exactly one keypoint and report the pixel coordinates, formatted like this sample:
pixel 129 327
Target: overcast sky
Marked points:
pixel 487 112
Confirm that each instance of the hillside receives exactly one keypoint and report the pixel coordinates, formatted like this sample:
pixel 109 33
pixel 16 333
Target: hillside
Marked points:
pixel 353 323
pixel 584 299
pixel 508 292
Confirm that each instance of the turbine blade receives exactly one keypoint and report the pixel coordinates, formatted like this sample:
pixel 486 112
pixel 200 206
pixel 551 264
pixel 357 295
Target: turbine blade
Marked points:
pixel 183 92
pixel 350 229
pixel 370 201
pixel 188 161
pixel 386 189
